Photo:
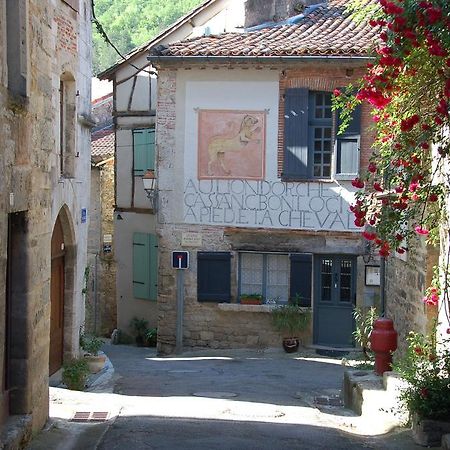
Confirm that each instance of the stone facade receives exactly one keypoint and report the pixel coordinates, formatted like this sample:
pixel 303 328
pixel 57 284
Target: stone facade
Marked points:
pixel 101 314
pixel 407 278
pixel 221 325
pixel 45 47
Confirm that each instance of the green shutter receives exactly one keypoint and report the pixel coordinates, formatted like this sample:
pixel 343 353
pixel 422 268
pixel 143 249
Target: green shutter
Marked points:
pixel 153 267
pixel 145 266
pixel 296 133
pixel 143 151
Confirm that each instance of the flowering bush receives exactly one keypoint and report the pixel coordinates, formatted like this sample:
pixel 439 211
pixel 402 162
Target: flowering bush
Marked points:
pixel 408 86
pixel 427 372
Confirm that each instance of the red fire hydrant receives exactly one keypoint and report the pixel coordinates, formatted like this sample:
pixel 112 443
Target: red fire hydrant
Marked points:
pixel 383 341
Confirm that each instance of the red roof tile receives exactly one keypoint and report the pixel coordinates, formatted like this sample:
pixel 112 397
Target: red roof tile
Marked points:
pixel 326 29
pixel 102 144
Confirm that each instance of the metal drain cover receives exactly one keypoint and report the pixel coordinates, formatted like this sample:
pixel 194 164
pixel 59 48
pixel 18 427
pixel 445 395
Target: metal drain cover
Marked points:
pixel 215 394
pixel 88 416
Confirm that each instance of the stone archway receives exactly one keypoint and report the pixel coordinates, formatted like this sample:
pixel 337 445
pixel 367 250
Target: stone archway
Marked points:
pixel 63 256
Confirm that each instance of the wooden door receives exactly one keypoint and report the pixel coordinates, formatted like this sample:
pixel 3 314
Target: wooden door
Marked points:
pixel 57 300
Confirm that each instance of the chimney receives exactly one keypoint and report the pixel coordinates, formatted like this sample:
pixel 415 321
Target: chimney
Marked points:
pixel 260 11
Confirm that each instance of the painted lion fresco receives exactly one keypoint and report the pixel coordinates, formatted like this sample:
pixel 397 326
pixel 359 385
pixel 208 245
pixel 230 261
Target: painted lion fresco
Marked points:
pixel 231 144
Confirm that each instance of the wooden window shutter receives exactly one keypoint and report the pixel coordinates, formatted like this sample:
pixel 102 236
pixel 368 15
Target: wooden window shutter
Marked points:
pixel 348 145
pixel 145 266
pixel 214 276
pixel 143 151
pixel 301 272
pixel 296 133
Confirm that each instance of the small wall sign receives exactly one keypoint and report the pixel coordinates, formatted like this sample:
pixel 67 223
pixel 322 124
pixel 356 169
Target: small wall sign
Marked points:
pixel 83 215
pixel 180 260
pixel 372 275
pixel 190 239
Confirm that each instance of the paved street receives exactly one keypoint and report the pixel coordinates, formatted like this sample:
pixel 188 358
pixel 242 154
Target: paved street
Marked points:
pixel 214 400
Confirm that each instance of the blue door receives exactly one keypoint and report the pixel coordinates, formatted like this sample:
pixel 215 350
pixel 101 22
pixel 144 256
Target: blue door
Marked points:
pixel 334 300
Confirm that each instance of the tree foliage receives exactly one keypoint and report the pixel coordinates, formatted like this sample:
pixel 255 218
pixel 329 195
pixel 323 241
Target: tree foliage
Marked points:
pixel 130 23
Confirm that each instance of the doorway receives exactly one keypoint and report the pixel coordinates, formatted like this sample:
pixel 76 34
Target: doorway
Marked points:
pixel 334 300
pixel 57 285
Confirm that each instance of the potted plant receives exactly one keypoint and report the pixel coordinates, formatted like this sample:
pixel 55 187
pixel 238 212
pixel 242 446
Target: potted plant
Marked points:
pixel 426 369
pixel 251 299
pixel 91 345
pixel 139 327
pixel 290 320
pixel 151 335
pixel 75 373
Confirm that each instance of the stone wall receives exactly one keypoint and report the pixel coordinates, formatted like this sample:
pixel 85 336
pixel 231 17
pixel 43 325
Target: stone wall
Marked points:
pixel 33 194
pixel 407 278
pixel 101 314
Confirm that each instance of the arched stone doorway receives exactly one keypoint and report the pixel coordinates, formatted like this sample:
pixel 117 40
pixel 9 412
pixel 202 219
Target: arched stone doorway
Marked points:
pixel 57 286
pixel 63 257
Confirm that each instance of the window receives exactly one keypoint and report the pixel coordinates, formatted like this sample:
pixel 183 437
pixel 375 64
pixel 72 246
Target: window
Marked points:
pixel 17 48
pixel 310 135
pixel 213 276
pixel 276 276
pixel 143 151
pixel 145 266
pixel 67 125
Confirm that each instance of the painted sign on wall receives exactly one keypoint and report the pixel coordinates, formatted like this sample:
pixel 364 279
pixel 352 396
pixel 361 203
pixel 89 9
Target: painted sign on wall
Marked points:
pixel 231 144
pixel 272 204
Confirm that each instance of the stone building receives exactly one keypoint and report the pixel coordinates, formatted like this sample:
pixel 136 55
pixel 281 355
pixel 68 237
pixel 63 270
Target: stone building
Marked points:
pixel 45 74
pixel 254 181
pixel 101 312
pixel 134 94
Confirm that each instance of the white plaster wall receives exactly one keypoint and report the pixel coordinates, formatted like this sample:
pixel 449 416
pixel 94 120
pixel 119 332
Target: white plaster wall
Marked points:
pixel 312 205
pixel 127 305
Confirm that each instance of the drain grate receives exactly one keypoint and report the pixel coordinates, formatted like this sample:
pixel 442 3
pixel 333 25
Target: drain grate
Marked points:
pixel 88 416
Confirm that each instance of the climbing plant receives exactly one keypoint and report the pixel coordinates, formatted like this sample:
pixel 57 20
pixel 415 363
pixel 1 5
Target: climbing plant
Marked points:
pixel 403 192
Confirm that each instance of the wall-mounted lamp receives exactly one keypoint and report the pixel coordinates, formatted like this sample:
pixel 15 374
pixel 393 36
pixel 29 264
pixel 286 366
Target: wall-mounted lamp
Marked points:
pixel 149 180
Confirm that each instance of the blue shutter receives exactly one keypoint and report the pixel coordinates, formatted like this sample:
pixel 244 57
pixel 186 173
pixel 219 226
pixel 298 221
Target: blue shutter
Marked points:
pixel 213 276
pixel 296 133
pixel 143 151
pixel 348 145
pixel 301 272
pixel 145 266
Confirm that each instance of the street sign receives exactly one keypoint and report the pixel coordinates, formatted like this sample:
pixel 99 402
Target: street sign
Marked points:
pixel 180 260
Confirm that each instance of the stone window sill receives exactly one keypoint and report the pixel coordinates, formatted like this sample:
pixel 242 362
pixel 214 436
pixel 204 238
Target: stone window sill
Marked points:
pixel 237 307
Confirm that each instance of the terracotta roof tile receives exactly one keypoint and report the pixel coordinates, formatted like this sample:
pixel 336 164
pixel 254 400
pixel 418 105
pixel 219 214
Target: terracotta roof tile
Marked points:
pixel 102 144
pixel 326 29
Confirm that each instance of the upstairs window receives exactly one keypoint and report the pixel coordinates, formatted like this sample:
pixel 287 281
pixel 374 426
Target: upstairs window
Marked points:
pixel 17 48
pixel 312 148
pixel 67 126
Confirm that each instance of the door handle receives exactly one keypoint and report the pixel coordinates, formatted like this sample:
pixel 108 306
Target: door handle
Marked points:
pixel 335 280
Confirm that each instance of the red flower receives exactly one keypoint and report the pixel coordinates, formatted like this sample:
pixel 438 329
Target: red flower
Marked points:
pixel 433 197
pixel 408 124
pixel 418 350
pixel 369 236
pixel 337 92
pixel 358 183
pixel 372 167
pixel 420 230
pixel 377 186
pixel 433 14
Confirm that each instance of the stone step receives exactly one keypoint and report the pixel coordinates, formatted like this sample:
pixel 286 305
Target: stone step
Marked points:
pixel 370 395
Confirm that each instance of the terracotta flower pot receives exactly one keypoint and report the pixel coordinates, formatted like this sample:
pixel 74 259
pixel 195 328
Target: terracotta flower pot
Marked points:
pixel 250 301
pixel 95 363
